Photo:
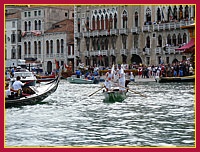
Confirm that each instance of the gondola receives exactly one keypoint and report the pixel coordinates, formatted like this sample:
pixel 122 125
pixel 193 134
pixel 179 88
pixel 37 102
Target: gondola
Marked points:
pixel 32 94
pixel 176 79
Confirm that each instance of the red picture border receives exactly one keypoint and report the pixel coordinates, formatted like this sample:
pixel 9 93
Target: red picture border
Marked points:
pixel 3 149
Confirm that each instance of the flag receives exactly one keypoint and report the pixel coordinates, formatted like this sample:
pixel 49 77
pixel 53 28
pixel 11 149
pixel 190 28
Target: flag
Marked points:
pixel 57 64
pixel 36 33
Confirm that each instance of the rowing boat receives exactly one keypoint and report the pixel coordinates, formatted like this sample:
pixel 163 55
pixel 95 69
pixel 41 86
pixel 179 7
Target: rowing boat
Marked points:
pixel 114 95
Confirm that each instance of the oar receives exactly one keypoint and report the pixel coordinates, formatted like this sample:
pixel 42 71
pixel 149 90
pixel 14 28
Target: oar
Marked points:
pixel 95 91
pixel 133 91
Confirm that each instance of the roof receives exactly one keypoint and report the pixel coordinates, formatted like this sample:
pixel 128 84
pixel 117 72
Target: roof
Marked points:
pixel 13 15
pixel 188 46
pixel 66 25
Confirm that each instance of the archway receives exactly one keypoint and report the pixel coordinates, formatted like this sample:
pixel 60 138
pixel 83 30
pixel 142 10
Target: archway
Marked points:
pixel 136 59
pixel 175 61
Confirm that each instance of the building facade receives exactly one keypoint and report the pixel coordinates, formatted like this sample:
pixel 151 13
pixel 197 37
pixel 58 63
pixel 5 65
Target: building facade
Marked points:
pixel 130 34
pixel 45 35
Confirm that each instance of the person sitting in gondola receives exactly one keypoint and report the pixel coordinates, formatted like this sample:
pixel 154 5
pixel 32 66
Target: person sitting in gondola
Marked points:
pixel 109 77
pixel 17 86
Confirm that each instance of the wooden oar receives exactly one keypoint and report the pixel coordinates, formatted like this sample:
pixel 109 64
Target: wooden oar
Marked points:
pixel 96 91
pixel 133 91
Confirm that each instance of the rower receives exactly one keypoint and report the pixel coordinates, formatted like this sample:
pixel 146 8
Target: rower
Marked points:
pixel 109 77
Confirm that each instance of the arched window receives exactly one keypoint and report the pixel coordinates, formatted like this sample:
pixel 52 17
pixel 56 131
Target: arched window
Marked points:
pixel 98 44
pixel 170 14
pixel 102 22
pixel 25 26
pixel 169 39
pixel 158 15
pixel 35 22
pixel 179 39
pixel 175 13
pixel 47 47
pixel 124 41
pixel 106 44
pixel 174 40
pixel 106 19
pixel 29 47
pixel 25 48
pixel 35 47
pixel 93 23
pixel 115 21
pixel 79 25
pixel 98 23
pixel 51 46
pixel 148 42
pixel 136 19
pixel 39 47
pixel 40 25
pixel 148 15
pixel 111 22
pixel 87 23
pixel 58 46
pixel 62 46
pixel 29 25
pixel 124 19
pixel 184 38
pixel 186 12
pixel 159 41
pixel 102 43
pixel 180 12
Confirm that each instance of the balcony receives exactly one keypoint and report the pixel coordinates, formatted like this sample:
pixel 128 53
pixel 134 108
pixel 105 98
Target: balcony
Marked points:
pixel 86 53
pixel 95 33
pixel 103 33
pixel 170 50
pixel 135 50
pixel 114 31
pixel 104 52
pixel 123 31
pixel 158 27
pixel 146 28
pixel 112 52
pixel 124 52
pixel 86 34
pixel 158 50
pixel 146 51
pixel 135 30
pixel 78 35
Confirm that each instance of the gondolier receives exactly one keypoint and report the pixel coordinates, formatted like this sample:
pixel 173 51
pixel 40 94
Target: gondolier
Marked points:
pixel 122 79
pixel 109 77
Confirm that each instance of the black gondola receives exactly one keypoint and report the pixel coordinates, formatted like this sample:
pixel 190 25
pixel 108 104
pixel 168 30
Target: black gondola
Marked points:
pixel 33 94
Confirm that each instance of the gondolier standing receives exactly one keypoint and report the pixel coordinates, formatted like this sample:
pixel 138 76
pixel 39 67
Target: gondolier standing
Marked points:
pixel 109 77
pixel 121 75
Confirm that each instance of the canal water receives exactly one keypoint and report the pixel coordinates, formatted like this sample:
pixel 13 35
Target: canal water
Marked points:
pixel 70 118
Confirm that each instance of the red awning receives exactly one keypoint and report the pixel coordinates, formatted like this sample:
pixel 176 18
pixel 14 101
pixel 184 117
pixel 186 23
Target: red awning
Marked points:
pixel 188 46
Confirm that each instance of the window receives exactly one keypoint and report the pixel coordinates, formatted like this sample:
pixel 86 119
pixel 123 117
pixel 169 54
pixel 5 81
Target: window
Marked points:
pixel 25 14
pixel 39 47
pixel 124 19
pixel 25 26
pixel 115 21
pixel 136 19
pixel 25 48
pixel 79 25
pixel 62 46
pixel 35 13
pixel 98 23
pixel 66 14
pixel 29 14
pixel 29 47
pixel 148 15
pixel 13 52
pixel 39 24
pixel 39 13
pixel 147 60
pixel 174 40
pixel 51 46
pixel 13 24
pixel 158 15
pixel 47 47
pixel 72 14
pixel 159 41
pixel 35 47
pixel 13 37
pixel 29 25
pixel 58 46
pixel 35 22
